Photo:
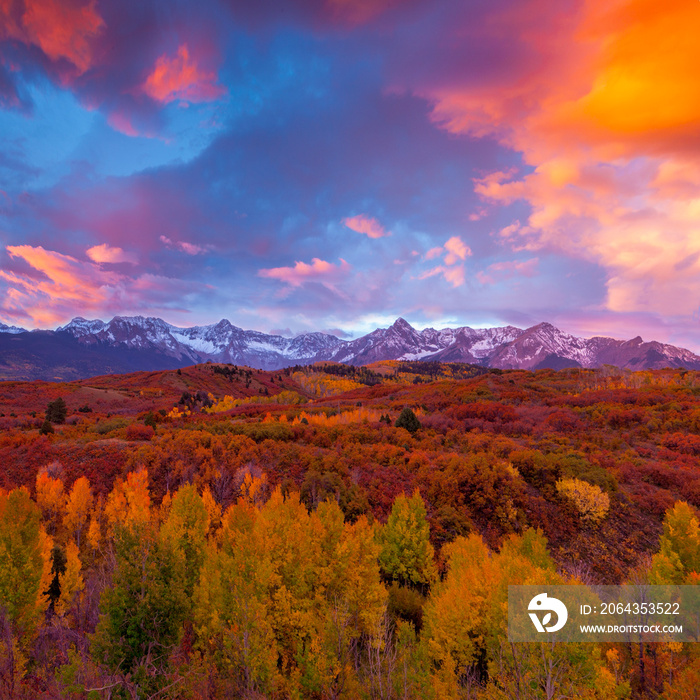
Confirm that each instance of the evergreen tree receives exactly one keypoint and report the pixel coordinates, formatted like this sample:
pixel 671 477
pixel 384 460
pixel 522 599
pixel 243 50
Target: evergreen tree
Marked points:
pixel 408 420
pixel 57 411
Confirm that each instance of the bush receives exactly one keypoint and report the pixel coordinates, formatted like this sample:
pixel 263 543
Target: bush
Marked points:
pixel 46 427
pixel 107 426
pixel 590 501
pixel 139 432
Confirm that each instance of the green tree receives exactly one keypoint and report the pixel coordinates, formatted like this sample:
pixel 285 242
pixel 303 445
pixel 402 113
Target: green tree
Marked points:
pixel 407 419
pixel 142 612
pixel 57 411
pixel 24 562
pixel 186 528
pixel 407 555
pixel 679 552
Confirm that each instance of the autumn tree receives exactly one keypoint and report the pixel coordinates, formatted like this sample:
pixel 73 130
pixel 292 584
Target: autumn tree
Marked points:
pixel 679 552
pixel 77 509
pixel 406 554
pixel 25 573
pixel 24 561
pixel 186 528
pixel 51 499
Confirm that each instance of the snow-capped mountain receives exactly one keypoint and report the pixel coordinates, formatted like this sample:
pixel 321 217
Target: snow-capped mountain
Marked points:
pixel 4 328
pixel 220 342
pixel 85 348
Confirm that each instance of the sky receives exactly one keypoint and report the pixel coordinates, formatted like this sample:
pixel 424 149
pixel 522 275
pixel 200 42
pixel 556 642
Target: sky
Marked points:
pixel 299 165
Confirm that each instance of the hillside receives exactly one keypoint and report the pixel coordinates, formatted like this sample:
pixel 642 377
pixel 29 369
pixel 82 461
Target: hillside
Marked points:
pixel 491 448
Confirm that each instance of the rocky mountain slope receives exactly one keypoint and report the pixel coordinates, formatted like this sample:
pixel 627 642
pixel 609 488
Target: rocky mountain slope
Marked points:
pixel 84 348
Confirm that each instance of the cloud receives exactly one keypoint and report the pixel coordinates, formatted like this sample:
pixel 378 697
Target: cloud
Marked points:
pixel 608 134
pixel 45 287
pixel 367 225
pixel 62 29
pixel 319 271
pixel 61 282
pixel 184 246
pixel 180 78
pixel 105 253
pixel 455 275
pixel 455 249
pixel 507 269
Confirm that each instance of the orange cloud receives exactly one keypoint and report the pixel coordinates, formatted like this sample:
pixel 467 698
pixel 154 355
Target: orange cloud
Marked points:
pixel 54 287
pixel 180 78
pixel 61 281
pixel 607 123
pixel 62 29
pixel 122 123
pixel 318 271
pixel 107 254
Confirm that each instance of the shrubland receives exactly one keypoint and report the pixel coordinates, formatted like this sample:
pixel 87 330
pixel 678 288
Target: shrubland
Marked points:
pixel 331 532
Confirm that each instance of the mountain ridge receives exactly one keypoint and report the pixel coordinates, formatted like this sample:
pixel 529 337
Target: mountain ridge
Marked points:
pixel 128 343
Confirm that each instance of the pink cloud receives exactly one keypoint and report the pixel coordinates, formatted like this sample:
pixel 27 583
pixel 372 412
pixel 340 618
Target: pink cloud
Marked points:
pixel 454 274
pixel 62 30
pixel 507 269
pixel 180 78
pixel 367 225
pixel 105 253
pixel 318 271
pixel 456 249
pixel 122 123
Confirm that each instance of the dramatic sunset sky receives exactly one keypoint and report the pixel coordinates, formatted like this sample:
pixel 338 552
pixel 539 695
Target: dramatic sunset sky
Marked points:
pixel 299 165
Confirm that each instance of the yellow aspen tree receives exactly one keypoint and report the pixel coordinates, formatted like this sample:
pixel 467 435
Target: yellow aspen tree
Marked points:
pixel 231 608
pixel 453 616
pixel 213 510
pixel 70 581
pixel 186 526
pixel 129 503
pixel 406 555
pixel 25 566
pixel 51 499
pixel 77 509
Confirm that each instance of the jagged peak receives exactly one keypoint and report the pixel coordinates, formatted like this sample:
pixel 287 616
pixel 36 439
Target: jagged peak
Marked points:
pixel 78 322
pixel 402 323
pixel 544 326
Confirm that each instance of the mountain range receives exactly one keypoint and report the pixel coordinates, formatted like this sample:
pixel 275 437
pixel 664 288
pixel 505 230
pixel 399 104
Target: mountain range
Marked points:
pixel 85 348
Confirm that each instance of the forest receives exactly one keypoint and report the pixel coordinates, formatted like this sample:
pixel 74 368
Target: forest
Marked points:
pixel 333 532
